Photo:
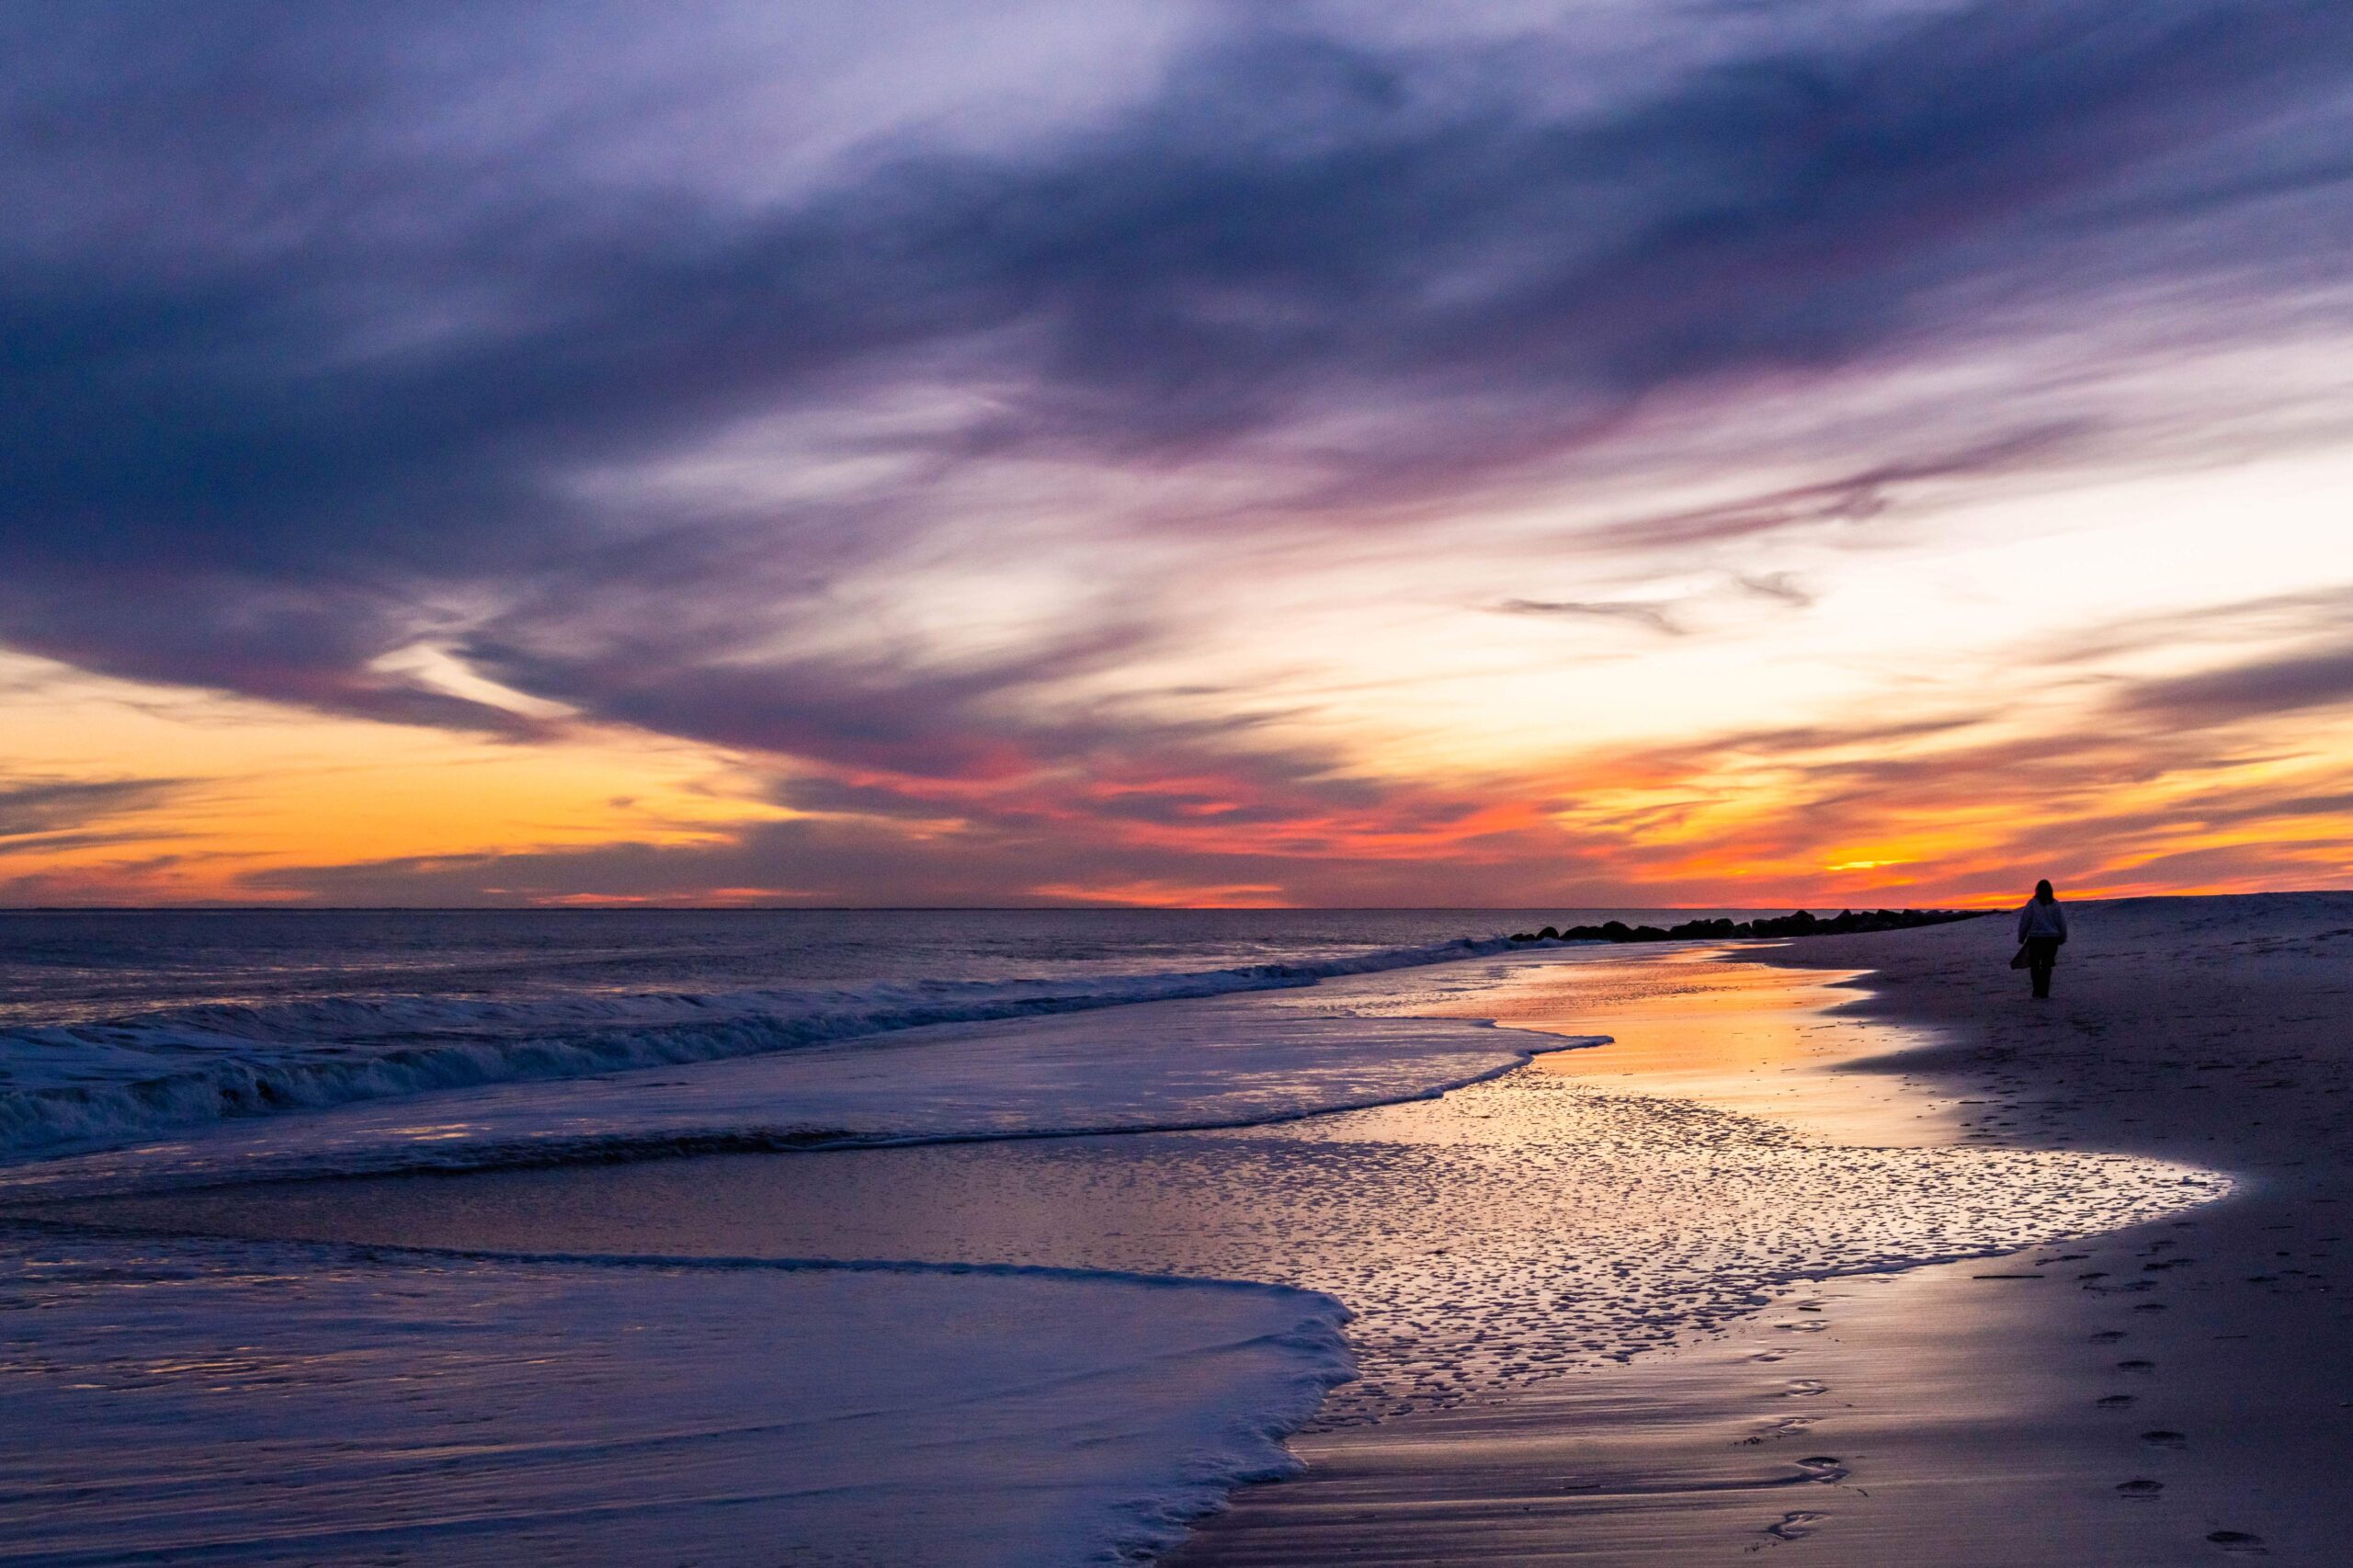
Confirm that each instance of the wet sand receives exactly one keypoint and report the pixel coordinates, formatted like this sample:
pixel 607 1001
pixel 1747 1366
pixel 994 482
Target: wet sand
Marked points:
pixel 1499 1239
pixel 2177 1392
pixel 2169 1392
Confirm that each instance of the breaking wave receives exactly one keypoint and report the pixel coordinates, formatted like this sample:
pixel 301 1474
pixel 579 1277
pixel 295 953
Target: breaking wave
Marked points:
pixel 67 1088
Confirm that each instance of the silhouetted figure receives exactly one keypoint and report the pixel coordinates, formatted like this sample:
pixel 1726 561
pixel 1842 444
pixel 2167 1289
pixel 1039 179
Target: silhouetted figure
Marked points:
pixel 2042 925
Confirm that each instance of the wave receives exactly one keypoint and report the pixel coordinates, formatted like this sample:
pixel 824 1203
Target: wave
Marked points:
pixel 853 1413
pixel 472 1140
pixel 70 1088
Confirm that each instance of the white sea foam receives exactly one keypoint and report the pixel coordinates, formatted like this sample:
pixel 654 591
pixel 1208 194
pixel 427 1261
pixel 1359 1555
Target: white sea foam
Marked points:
pixel 465 1410
pixel 98 1083
pixel 1193 1064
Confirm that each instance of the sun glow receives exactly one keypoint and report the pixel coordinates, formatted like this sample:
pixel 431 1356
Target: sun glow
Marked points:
pixel 212 795
pixel 1166 485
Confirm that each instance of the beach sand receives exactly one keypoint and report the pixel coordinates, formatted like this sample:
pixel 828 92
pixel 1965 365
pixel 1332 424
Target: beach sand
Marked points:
pixel 1500 1238
pixel 2173 1391
pixel 2178 1392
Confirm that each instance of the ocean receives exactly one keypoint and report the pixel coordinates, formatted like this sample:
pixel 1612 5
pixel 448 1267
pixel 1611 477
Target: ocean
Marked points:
pixel 116 1026
pixel 1011 1237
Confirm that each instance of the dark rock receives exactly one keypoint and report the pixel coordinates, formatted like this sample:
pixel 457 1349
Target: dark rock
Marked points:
pixel 1803 923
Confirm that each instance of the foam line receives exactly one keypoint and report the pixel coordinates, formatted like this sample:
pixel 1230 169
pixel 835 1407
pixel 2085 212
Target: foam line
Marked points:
pixel 96 1084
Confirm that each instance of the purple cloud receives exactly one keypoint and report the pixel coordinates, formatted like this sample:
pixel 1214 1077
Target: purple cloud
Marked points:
pixel 330 329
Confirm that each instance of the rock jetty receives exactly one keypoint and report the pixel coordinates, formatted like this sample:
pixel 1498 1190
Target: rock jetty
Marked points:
pixel 1801 924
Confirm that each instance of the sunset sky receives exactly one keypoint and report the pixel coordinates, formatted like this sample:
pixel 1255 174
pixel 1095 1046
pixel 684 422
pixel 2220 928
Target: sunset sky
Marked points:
pixel 1720 452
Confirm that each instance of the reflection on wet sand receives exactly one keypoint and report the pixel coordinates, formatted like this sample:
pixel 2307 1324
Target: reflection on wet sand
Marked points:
pixel 1489 1240
pixel 1740 1037
pixel 2163 1397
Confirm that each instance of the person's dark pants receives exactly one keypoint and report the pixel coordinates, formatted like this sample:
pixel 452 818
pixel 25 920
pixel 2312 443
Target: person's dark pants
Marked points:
pixel 2041 952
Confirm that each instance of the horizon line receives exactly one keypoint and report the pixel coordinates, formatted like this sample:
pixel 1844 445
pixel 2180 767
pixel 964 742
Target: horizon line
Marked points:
pixel 623 908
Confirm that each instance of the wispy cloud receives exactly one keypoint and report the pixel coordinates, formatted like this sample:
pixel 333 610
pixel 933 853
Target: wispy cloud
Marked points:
pixel 2248 691
pixel 1654 614
pixel 685 378
pixel 45 817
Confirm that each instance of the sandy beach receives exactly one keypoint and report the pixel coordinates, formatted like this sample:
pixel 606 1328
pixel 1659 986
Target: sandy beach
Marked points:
pixel 2171 1393
pixel 1061 785
pixel 1566 1351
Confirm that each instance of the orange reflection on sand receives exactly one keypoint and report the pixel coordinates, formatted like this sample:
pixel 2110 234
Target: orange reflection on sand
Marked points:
pixel 1743 1036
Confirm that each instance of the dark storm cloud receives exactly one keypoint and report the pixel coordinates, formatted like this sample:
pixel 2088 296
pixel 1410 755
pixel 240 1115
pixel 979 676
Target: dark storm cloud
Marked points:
pixel 304 340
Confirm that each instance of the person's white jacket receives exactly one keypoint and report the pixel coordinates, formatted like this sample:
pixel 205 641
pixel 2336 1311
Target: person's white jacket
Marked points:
pixel 2040 919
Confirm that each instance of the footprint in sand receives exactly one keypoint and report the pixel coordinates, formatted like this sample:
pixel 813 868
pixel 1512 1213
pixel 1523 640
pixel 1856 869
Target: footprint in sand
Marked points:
pixel 2136 1366
pixel 2163 1439
pixel 2142 1487
pixel 2239 1542
pixel 2118 1401
pixel 1795 1527
pixel 2108 1337
pixel 1806 1388
pixel 1788 1427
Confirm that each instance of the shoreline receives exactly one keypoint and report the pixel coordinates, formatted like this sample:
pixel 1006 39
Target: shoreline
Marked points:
pixel 1439 1218
pixel 1863 1412
pixel 2179 1391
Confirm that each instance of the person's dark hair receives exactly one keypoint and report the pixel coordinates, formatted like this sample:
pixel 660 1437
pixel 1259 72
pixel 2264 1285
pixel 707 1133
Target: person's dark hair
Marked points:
pixel 2042 889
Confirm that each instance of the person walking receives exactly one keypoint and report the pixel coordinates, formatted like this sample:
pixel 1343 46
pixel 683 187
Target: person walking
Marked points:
pixel 2043 926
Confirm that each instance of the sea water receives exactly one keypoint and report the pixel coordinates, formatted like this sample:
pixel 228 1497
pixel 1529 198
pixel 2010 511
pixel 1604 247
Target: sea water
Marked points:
pixel 114 1025
pixel 1062 1221
pixel 262 1401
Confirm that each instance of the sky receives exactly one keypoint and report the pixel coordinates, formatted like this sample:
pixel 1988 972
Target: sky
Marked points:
pixel 1622 452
